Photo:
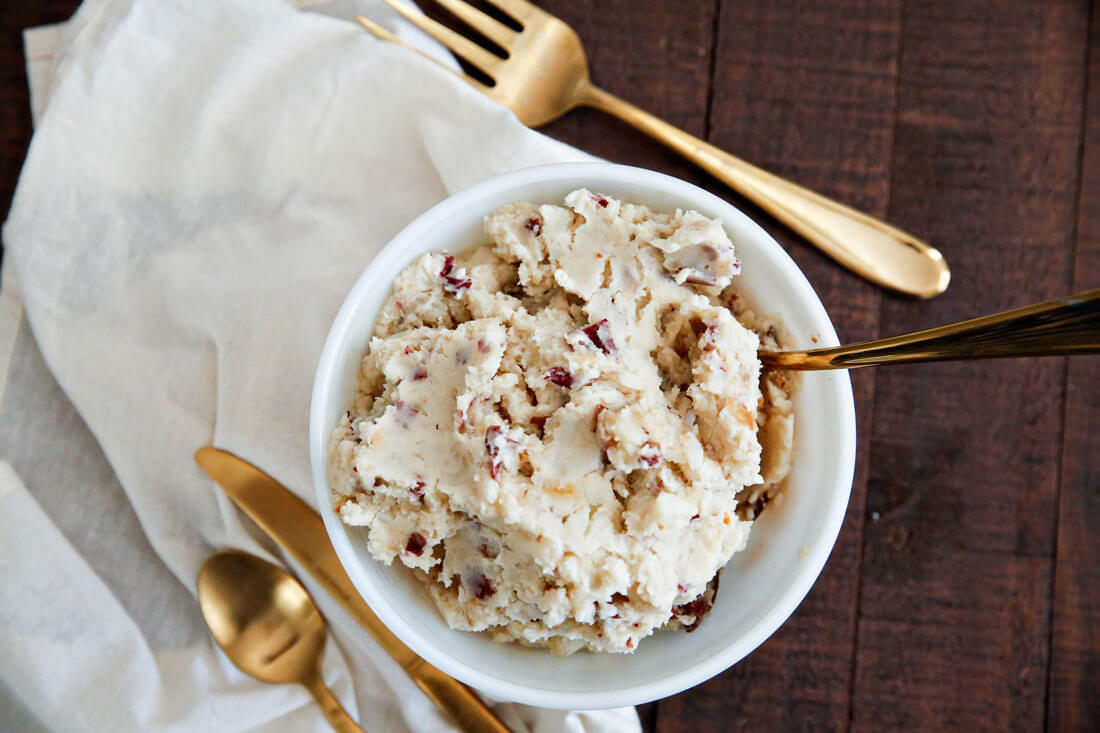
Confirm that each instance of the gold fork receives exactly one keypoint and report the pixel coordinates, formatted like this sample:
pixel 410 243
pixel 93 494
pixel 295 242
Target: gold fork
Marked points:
pixel 545 75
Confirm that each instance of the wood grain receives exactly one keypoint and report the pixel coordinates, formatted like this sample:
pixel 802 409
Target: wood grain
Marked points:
pixel 1073 701
pixel 955 603
pixel 806 91
pixel 657 57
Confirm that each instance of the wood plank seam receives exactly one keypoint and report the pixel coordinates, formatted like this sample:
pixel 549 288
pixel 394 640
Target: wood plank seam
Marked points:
pixel 712 68
pixel 1088 80
pixel 899 50
pixel 1076 223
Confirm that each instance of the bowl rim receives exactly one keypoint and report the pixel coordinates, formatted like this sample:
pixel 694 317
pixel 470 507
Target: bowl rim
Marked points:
pixel 724 656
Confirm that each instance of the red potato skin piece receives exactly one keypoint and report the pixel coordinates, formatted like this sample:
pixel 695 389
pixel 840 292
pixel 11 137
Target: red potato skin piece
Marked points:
pixel 559 376
pixel 599 333
pixel 416 544
pixel 451 283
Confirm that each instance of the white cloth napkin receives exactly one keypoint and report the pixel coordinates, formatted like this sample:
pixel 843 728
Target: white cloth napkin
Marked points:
pixel 206 180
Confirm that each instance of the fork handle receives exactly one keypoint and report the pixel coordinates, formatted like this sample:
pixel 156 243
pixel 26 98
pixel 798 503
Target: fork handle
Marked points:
pixel 872 248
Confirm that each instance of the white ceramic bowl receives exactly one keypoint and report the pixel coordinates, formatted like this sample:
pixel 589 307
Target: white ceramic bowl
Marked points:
pixel 761 586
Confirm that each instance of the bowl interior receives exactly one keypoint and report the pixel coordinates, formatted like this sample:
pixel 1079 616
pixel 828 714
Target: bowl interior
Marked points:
pixel 761 585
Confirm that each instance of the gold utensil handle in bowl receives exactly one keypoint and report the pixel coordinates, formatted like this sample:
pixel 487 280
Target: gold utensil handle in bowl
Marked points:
pixel 1065 326
pixel 872 248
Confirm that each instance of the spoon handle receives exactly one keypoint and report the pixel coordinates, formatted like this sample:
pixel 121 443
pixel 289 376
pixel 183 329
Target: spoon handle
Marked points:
pixel 337 717
pixel 1069 325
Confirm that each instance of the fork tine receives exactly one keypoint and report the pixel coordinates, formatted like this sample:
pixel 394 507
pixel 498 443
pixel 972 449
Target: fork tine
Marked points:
pixel 520 10
pixel 384 34
pixel 457 42
pixel 484 24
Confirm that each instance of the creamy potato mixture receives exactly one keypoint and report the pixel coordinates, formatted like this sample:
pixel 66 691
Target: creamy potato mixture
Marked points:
pixel 561 431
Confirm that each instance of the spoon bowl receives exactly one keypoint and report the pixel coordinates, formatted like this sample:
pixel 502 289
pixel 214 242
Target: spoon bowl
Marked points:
pixel 266 623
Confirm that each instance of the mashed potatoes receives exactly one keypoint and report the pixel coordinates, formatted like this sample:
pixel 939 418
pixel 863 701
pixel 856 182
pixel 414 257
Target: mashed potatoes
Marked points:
pixel 560 431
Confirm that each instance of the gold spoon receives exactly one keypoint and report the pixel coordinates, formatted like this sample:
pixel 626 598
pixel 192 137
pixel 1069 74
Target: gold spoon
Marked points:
pixel 267 624
pixel 1069 325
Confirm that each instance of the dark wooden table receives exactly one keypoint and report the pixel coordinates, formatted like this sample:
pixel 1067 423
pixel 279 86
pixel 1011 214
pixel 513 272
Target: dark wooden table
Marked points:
pixel 964 591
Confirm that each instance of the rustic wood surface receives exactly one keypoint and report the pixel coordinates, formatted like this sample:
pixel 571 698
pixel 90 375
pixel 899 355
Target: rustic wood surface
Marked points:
pixel 964 590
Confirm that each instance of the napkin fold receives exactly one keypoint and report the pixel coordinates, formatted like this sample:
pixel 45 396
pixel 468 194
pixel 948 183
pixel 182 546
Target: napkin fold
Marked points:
pixel 206 180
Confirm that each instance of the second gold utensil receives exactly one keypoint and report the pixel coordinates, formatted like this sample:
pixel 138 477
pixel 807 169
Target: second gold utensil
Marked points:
pixel 300 531
pixel 268 626
pixel 1069 325
pixel 545 75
